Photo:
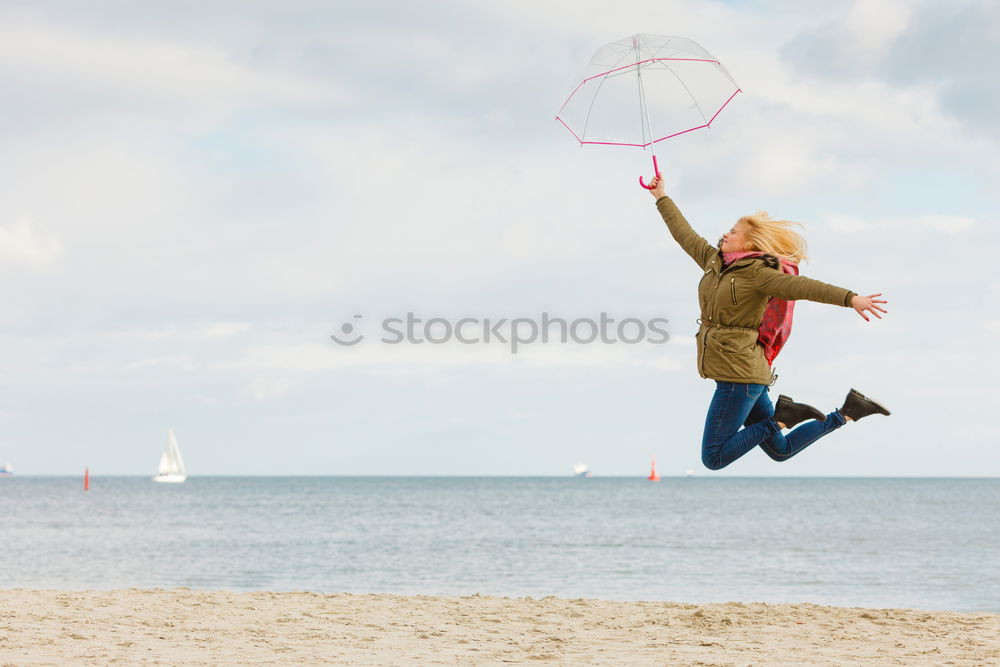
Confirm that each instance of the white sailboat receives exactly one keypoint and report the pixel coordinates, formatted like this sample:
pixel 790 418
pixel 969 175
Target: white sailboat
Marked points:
pixel 171 463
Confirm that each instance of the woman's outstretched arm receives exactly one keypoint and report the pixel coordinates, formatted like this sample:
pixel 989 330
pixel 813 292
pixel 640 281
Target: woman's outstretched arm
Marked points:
pixel 790 287
pixel 701 251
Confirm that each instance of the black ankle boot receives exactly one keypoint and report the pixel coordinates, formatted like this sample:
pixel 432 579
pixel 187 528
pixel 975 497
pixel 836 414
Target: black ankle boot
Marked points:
pixel 857 405
pixel 790 413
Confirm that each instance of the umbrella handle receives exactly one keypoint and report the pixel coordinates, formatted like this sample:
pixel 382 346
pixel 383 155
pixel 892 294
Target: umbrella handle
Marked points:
pixel 656 168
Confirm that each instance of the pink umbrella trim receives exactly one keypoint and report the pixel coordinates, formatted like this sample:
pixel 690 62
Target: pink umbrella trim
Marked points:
pixel 613 143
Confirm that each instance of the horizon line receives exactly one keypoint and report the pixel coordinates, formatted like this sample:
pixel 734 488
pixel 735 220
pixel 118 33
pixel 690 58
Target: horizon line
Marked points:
pixel 470 476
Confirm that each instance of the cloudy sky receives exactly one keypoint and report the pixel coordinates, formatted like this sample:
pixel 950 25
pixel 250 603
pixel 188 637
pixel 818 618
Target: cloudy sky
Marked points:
pixel 195 196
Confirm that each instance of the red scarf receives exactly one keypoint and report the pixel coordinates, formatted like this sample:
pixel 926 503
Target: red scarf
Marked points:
pixel 776 326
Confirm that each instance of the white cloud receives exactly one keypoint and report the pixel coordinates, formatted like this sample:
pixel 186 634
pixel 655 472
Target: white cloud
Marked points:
pixel 919 44
pixel 614 356
pixel 785 167
pixel 867 105
pixel 151 78
pixel 874 24
pixel 316 358
pixel 848 224
pixel 176 361
pixel 225 329
pixel 264 388
pixel 950 224
pixel 20 242
pixel 196 332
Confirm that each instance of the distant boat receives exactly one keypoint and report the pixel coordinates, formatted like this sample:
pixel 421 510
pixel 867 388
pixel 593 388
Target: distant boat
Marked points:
pixel 171 463
pixel 7 470
pixel 581 470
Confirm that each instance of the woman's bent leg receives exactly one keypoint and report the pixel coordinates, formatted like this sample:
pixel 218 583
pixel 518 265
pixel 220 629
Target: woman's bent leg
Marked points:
pixel 763 410
pixel 781 447
pixel 723 442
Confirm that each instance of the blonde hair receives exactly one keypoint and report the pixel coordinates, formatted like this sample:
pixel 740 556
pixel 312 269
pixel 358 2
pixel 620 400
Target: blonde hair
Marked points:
pixel 775 237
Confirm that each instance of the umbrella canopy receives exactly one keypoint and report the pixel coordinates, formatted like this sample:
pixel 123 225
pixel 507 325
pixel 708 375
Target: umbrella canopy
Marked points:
pixel 646 88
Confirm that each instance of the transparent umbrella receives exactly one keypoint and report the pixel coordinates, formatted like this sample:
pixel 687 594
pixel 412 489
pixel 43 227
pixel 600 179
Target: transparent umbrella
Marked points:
pixel 643 89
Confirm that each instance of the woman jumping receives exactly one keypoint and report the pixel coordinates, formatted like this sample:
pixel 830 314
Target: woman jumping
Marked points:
pixel 747 293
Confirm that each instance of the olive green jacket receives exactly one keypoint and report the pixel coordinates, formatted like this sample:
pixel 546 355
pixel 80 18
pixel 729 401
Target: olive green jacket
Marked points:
pixel 733 300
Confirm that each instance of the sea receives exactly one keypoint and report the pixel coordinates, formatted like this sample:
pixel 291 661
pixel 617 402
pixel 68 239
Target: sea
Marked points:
pixel 883 543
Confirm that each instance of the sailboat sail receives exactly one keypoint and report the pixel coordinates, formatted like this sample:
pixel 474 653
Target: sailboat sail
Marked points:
pixel 171 464
pixel 165 467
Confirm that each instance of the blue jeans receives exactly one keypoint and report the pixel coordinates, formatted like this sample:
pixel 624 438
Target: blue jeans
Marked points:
pixel 736 404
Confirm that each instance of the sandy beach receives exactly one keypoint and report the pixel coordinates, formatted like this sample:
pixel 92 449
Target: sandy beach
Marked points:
pixel 185 627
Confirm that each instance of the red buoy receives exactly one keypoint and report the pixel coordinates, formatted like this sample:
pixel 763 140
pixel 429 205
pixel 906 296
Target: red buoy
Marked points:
pixel 653 477
pixel 86 479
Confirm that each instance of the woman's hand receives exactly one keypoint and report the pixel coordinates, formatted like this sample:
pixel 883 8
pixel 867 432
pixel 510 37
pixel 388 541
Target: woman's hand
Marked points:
pixel 863 303
pixel 656 187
